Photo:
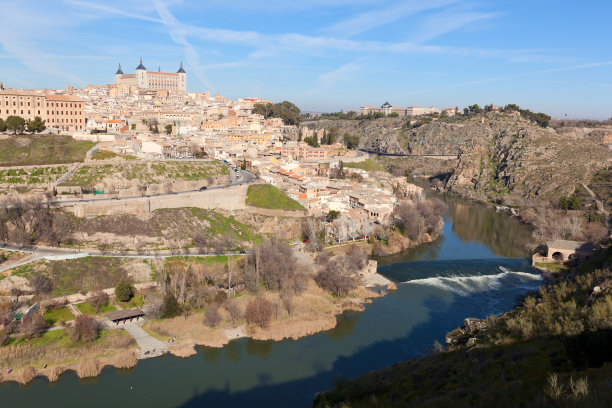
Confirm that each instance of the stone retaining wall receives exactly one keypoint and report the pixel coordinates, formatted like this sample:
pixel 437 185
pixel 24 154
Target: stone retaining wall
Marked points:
pixel 276 213
pixel 231 198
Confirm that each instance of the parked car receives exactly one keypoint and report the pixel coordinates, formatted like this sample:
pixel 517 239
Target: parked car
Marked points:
pixel 203 188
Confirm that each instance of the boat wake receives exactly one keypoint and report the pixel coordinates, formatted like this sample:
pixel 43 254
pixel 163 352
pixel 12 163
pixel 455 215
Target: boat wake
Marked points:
pixel 465 285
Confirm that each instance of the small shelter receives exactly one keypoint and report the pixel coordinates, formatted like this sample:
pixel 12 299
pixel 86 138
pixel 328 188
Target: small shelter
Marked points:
pixel 124 315
pixel 564 250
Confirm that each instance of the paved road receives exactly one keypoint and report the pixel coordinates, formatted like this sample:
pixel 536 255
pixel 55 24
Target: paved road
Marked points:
pixel 149 345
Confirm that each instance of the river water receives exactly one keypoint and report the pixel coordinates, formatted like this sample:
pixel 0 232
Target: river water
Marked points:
pixel 477 268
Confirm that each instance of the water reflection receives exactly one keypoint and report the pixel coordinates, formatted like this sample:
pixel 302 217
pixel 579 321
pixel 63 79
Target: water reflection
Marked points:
pixel 503 235
pixel 345 325
pixel 259 348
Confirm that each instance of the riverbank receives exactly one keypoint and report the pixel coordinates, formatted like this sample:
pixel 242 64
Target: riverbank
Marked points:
pixel 552 349
pixel 312 312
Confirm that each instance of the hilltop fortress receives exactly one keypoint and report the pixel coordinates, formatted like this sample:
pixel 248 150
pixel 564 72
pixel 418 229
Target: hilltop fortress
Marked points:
pixel 150 80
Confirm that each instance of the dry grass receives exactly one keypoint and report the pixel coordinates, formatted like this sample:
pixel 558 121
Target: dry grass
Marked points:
pixel 62 350
pixel 53 373
pixel 125 359
pixel 26 375
pixel 88 368
pixel 184 350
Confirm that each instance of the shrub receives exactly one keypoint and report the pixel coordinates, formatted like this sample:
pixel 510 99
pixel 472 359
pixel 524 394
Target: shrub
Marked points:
pixel 259 312
pixel 124 291
pixel 40 284
pixel 170 307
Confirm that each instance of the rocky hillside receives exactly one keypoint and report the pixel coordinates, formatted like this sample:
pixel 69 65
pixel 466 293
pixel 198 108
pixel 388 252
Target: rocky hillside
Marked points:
pixel 501 157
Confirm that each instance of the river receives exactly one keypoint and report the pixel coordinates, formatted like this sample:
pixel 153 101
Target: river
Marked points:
pixel 477 268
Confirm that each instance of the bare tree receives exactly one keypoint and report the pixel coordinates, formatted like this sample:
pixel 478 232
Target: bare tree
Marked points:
pixel 287 300
pixel 98 298
pixel 211 315
pixel 337 276
pixel 40 284
pixel 259 311
pixel 33 324
pixel 231 305
pixel 86 328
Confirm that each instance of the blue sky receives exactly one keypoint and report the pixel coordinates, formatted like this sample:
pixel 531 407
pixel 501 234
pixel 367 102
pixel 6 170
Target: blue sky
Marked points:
pixel 550 56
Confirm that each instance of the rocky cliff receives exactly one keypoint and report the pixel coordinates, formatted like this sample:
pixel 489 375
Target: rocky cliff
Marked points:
pixel 501 157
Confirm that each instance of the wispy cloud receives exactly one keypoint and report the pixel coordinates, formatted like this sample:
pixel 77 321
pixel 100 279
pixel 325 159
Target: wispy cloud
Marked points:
pixel 330 79
pixel 447 21
pixel 178 35
pixel 105 8
pixel 372 19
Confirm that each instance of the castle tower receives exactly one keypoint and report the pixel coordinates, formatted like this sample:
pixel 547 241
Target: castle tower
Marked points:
pixel 141 76
pixel 118 74
pixel 182 78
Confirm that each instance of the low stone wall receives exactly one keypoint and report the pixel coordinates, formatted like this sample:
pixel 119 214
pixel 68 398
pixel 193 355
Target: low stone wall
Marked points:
pixel 276 213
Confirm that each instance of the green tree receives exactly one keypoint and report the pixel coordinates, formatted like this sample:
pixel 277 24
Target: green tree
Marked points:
pixel 36 126
pixel 168 128
pixel 133 126
pixel 311 141
pixel 299 135
pixel 15 124
pixel 350 141
pixel 243 165
pixel 332 215
pixel 170 307
pixel 287 111
pixel 124 291
pixel 2 125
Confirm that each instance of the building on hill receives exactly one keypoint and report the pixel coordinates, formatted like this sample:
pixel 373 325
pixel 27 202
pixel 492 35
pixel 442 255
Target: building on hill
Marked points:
pixel 62 112
pixel 152 80
pixel 388 109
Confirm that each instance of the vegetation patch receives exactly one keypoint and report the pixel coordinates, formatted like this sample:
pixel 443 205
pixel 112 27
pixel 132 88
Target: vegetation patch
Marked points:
pixel 27 150
pixel 268 196
pixel 62 314
pixel 367 165
pixel 137 172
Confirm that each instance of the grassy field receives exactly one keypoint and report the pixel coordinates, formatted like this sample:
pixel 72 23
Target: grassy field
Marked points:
pixel 367 165
pixel 58 315
pixel 76 275
pixel 29 150
pixel 136 301
pixel 88 309
pixel 138 172
pixel 268 196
